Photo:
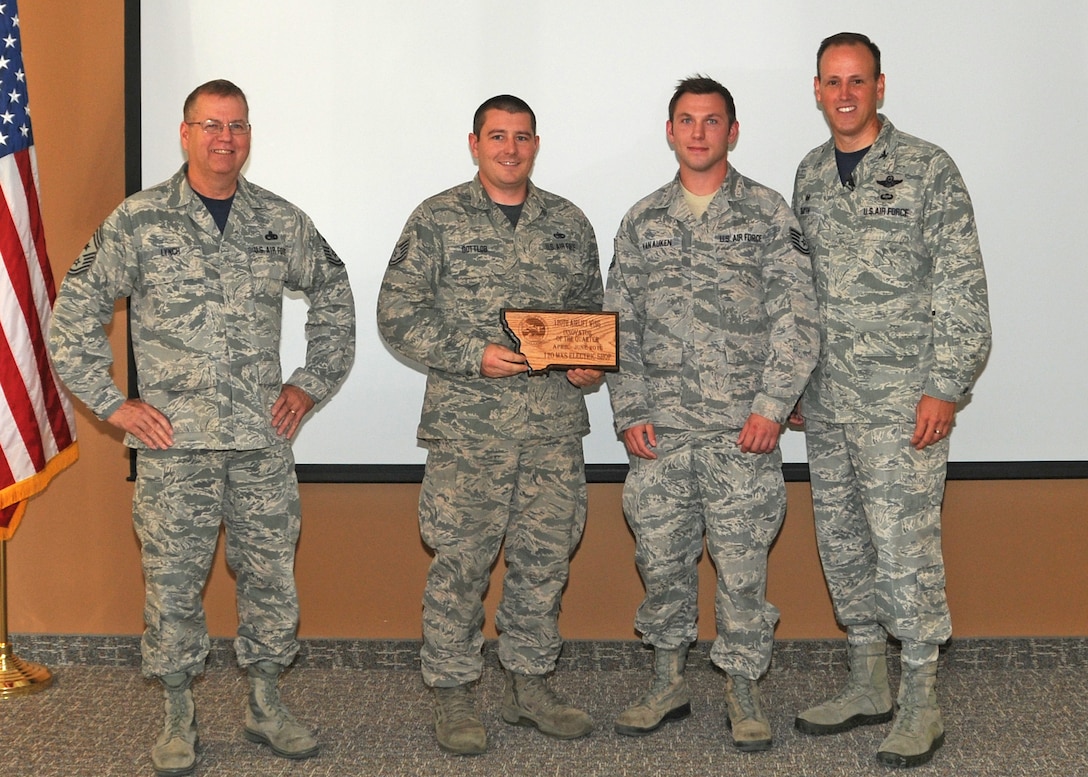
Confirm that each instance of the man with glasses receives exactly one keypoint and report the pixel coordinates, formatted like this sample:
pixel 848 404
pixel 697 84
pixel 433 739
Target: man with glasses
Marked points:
pixel 204 259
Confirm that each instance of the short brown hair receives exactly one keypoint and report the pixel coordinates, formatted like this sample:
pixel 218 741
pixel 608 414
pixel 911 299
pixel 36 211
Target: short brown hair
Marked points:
pixel 501 102
pixel 699 84
pixel 848 39
pixel 220 87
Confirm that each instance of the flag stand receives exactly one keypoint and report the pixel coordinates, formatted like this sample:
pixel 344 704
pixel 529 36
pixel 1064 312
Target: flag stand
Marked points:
pixel 17 677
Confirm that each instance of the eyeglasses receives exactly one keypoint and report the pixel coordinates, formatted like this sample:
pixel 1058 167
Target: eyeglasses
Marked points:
pixel 214 127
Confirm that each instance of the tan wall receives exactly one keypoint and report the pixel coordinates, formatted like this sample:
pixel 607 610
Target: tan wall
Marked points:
pixel 1015 550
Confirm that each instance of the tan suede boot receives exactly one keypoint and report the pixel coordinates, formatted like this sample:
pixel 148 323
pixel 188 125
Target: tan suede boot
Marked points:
pixel 865 700
pixel 174 753
pixel 667 699
pixel 748 722
pixel 918 729
pixel 455 723
pixel 268 721
pixel 528 701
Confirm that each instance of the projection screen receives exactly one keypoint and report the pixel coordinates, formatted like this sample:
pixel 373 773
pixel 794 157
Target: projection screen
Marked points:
pixel 361 109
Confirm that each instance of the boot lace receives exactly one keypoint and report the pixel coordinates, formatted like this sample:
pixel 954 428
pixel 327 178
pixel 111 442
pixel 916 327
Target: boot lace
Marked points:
pixel 908 721
pixel 456 703
pixel 910 718
pixel 534 693
pixel 747 696
pixel 857 684
pixel 270 706
pixel 179 715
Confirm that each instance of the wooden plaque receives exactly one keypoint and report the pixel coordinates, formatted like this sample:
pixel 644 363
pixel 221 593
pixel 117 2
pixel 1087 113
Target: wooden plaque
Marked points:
pixel 564 339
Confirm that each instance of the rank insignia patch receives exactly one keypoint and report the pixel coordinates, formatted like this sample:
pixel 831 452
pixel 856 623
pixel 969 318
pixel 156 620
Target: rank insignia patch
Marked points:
pixel 88 255
pixel 400 252
pixel 330 255
pixel 797 238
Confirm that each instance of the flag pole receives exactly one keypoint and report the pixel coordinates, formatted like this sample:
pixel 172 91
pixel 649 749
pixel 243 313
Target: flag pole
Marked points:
pixel 17 677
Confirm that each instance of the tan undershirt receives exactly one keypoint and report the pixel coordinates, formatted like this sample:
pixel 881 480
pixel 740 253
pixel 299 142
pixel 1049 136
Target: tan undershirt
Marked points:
pixel 698 203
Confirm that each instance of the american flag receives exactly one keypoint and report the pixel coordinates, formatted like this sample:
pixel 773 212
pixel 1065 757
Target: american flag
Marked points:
pixel 37 425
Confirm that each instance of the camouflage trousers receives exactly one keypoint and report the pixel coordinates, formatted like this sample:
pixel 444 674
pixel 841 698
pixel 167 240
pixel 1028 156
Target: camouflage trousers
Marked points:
pixel 474 495
pixel 877 506
pixel 181 499
pixel 706 485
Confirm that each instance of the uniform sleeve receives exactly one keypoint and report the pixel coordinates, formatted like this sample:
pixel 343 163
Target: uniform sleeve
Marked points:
pixel 797 179
pixel 591 294
pixel 790 303
pixel 409 316
pixel 330 321
pixel 628 390
pixel 104 272
pixel 961 318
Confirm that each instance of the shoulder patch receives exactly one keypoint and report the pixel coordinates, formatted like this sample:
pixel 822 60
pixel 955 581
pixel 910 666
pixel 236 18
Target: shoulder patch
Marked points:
pixel 400 252
pixel 797 238
pixel 330 255
pixel 86 257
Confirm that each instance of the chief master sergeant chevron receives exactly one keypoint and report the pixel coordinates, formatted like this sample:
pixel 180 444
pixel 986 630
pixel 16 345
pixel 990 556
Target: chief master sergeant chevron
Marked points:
pixel 903 307
pixel 204 259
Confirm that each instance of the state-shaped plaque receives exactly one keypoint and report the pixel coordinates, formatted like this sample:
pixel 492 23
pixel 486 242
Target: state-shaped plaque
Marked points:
pixel 564 339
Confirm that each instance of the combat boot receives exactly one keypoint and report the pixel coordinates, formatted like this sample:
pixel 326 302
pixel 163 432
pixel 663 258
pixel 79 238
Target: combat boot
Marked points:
pixel 455 723
pixel 667 699
pixel 918 729
pixel 528 701
pixel 268 721
pixel 865 700
pixel 174 753
pixel 746 719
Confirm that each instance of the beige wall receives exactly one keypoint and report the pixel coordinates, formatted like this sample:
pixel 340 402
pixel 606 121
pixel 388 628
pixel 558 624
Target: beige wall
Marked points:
pixel 1015 550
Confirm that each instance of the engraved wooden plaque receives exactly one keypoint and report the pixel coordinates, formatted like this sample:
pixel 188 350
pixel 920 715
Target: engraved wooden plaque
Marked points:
pixel 564 339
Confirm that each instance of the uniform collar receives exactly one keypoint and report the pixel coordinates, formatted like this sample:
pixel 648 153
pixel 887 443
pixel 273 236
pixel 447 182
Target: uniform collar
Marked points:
pixel 181 193
pixel 478 198
pixel 885 143
pixel 672 196
pixel 886 140
pixel 884 146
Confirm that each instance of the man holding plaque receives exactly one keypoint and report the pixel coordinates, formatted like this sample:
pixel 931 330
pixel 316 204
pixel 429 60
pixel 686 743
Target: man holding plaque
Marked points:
pixel 504 448
pixel 718 335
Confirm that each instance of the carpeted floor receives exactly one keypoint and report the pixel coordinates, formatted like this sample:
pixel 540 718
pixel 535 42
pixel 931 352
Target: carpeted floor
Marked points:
pixel 1011 707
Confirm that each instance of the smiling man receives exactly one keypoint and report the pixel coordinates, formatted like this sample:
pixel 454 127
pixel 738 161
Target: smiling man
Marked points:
pixel 718 335
pixel 504 449
pixel 204 259
pixel 903 305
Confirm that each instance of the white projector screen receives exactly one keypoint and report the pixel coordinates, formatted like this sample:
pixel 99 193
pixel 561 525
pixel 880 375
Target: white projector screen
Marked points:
pixel 361 109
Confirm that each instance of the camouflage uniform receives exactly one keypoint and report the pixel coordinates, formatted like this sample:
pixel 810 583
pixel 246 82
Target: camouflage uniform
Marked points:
pixel 504 455
pixel 205 320
pixel 717 321
pixel 902 297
